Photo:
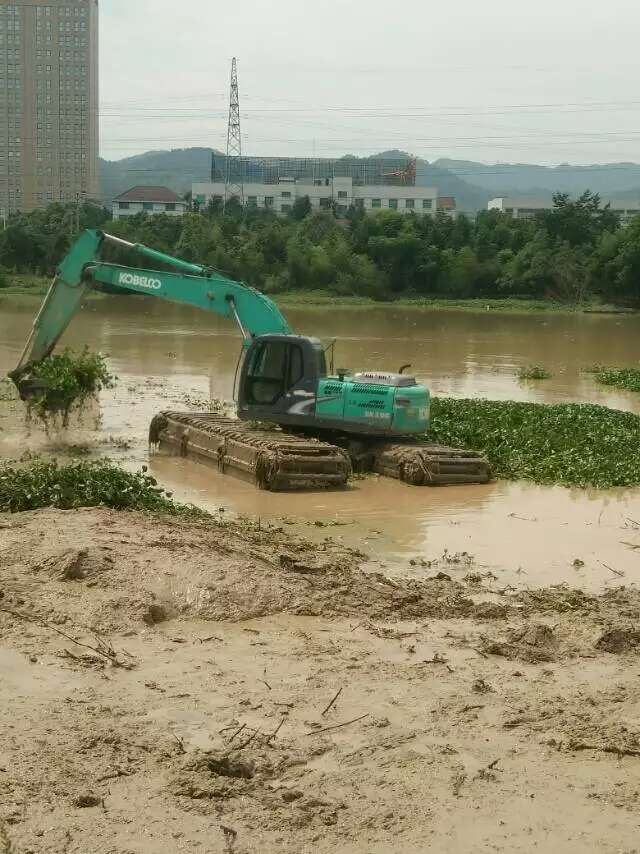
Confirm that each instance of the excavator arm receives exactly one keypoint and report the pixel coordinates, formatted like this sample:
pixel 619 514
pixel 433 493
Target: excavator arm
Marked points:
pixel 191 284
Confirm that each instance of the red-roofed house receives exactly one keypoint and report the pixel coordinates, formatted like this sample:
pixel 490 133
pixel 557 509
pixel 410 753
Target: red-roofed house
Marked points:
pixel 149 200
pixel 446 203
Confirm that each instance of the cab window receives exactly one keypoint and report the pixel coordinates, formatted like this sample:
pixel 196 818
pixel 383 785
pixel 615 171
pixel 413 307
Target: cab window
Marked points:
pixel 274 367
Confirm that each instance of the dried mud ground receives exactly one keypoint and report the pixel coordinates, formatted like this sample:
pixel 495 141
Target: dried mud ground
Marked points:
pixel 199 715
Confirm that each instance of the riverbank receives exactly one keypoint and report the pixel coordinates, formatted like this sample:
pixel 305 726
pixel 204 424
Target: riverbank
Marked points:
pixel 321 299
pixel 243 690
pixel 24 288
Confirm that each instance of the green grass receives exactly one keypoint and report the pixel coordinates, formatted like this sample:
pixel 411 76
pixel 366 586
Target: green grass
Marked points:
pixel 627 378
pixel 17 284
pixel 26 286
pixel 84 484
pixel 22 288
pixel 567 443
pixel 534 372
pixel 323 299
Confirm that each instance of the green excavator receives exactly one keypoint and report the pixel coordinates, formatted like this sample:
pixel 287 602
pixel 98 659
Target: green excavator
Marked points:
pixel 327 424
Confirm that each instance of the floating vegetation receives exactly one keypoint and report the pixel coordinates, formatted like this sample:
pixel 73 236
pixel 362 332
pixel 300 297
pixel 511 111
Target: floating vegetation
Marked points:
pixel 534 372
pixel 628 378
pixel 59 383
pixel 568 443
pixel 84 484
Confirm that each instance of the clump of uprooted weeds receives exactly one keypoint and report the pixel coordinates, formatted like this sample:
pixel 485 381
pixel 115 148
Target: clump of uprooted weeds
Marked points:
pixel 534 372
pixel 84 484
pixel 61 382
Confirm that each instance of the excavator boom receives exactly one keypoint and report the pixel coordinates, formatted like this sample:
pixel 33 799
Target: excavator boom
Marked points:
pixel 194 285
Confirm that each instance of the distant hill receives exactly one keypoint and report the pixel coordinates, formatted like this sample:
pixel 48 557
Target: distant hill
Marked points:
pixel 508 179
pixel 472 183
pixel 176 169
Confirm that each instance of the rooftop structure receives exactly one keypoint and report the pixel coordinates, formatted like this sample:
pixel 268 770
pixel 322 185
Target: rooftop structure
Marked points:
pixel 363 171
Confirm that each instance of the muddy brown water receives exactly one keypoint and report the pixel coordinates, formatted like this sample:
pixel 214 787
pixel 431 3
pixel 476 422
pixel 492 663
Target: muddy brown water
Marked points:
pixel 165 356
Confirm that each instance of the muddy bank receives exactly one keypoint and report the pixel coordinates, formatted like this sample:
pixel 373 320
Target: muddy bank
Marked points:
pixel 241 690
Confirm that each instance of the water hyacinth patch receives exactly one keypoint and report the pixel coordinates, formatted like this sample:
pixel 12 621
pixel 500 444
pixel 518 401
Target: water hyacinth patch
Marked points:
pixel 567 443
pixel 84 484
pixel 628 378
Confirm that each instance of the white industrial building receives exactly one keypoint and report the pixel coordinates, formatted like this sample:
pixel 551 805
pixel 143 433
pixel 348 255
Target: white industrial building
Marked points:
pixel 520 208
pixel 325 193
pixel 527 208
pixel 149 200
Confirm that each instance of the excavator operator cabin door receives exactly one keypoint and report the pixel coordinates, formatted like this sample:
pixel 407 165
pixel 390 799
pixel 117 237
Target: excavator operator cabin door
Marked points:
pixel 273 368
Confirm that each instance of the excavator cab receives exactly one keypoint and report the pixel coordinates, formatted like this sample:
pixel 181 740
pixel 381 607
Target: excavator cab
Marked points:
pixel 279 377
pixel 284 380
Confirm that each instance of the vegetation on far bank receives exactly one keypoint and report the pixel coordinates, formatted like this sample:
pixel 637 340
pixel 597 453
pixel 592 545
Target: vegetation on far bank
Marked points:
pixel 567 443
pixel 574 254
pixel 19 294
pixel 46 483
pixel 16 284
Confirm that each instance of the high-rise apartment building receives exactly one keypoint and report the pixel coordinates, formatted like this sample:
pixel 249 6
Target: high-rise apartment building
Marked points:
pixel 48 102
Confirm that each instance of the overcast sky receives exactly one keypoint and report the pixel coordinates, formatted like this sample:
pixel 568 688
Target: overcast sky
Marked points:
pixel 551 81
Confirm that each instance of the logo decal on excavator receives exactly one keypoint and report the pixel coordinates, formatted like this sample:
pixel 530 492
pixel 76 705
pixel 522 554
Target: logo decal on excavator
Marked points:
pixel 302 407
pixel 139 281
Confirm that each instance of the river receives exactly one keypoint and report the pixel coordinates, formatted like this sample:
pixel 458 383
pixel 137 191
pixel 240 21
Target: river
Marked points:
pixel 525 534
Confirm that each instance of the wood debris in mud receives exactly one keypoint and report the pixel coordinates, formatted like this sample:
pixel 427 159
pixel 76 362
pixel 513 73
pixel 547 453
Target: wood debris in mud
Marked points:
pixel 103 649
pixel 337 726
pixel 332 702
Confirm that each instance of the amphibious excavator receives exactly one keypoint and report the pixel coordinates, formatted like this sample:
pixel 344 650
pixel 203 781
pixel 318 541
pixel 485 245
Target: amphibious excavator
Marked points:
pixel 326 424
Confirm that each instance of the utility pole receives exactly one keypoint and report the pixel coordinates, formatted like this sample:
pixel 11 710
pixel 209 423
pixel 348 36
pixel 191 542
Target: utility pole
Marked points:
pixel 234 177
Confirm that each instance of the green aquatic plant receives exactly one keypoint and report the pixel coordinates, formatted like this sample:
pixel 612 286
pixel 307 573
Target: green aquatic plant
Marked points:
pixel 45 483
pixel 566 443
pixel 627 378
pixel 534 372
pixel 60 382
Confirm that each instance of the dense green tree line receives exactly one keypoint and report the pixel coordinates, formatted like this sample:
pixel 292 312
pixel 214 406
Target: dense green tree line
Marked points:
pixel 575 250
